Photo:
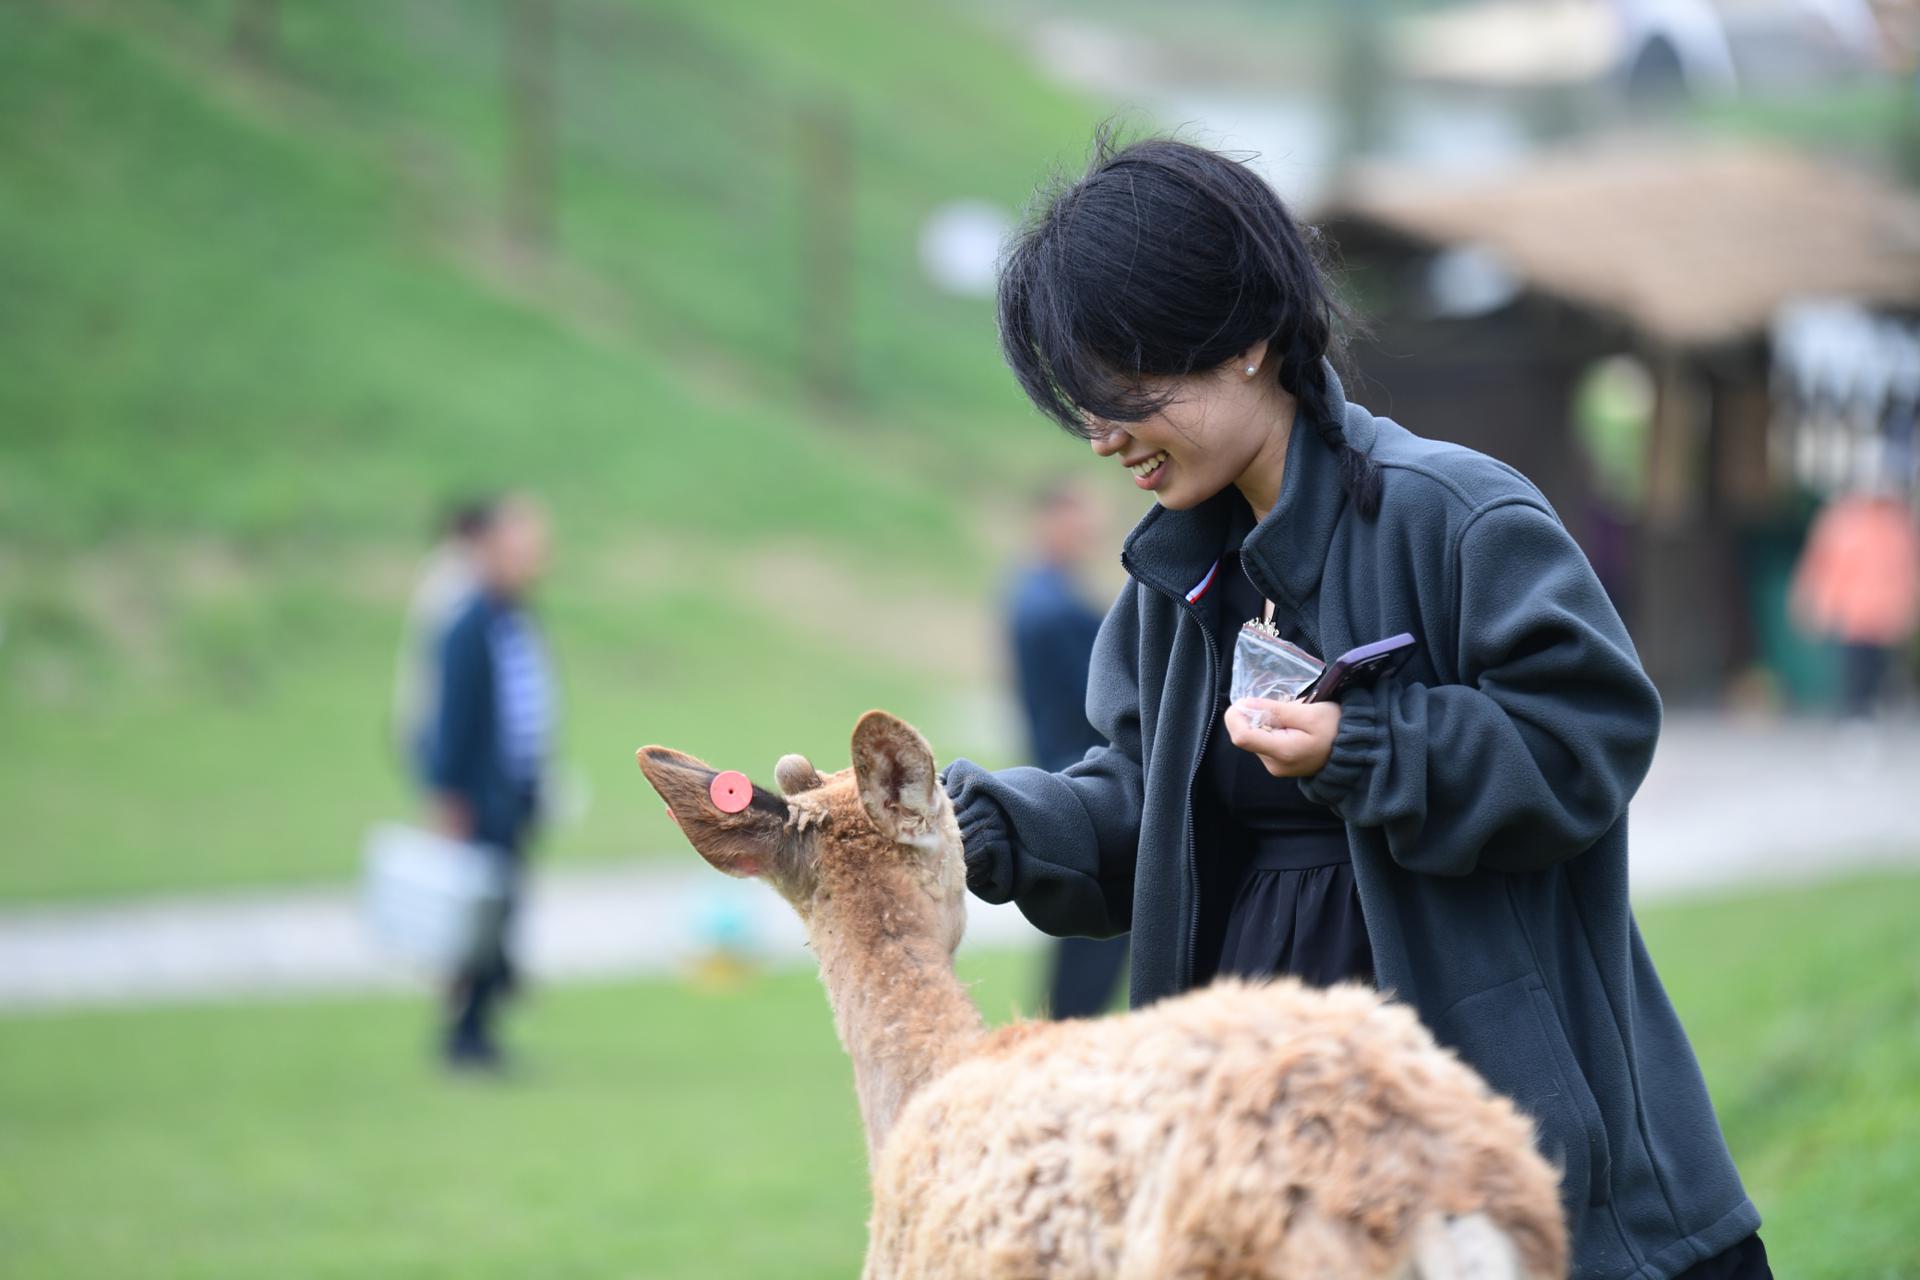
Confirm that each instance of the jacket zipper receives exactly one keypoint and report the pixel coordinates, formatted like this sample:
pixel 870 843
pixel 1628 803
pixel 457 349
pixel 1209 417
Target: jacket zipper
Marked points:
pixel 1206 741
pixel 1307 640
pixel 1193 777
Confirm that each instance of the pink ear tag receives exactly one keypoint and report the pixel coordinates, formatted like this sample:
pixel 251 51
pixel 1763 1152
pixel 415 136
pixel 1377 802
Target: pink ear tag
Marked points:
pixel 730 791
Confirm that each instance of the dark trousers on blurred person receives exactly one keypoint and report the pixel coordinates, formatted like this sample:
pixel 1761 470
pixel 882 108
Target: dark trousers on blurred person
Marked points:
pixel 1086 972
pixel 1864 669
pixel 487 980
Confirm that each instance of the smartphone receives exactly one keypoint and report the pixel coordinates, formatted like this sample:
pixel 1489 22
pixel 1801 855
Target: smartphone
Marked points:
pixel 1358 667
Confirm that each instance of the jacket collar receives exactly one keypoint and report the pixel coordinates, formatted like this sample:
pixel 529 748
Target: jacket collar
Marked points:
pixel 1177 552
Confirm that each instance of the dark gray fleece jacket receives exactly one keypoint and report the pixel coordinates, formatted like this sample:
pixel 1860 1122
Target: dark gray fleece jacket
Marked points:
pixel 1485 793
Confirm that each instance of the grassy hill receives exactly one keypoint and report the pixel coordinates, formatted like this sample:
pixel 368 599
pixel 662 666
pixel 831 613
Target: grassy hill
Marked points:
pixel 256 326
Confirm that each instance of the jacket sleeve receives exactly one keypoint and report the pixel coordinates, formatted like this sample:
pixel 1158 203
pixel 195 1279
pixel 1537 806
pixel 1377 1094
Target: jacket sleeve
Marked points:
pixel 1062 845
pixel 455 762
pixel 1535 754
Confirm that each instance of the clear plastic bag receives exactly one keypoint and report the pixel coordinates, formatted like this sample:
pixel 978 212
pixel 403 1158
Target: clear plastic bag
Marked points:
pixel 1265 666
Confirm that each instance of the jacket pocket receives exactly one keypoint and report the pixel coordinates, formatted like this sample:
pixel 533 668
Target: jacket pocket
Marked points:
pixel 1512 1036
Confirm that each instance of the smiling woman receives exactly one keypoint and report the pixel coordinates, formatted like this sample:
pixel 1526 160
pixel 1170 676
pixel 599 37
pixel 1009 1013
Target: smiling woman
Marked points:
pixel 1106 343
pixel 1454 833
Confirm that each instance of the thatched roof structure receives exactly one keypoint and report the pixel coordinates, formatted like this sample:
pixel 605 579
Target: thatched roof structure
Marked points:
pixel 1693 246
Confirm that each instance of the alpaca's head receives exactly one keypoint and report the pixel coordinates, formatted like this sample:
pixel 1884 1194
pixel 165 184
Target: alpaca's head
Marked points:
pixel 872 850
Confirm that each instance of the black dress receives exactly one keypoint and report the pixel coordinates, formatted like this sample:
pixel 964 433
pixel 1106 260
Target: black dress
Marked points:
pixel 1281 873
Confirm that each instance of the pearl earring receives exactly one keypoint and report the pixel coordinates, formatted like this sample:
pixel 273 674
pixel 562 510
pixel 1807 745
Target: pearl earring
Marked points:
pixel 1252 369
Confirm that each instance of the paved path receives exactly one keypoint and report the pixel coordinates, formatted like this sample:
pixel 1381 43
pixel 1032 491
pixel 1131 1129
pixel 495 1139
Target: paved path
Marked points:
pixel 1727 804
pixel 610 922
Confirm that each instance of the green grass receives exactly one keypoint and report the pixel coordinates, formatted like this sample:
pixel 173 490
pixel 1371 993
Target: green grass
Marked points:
pixel 1804 1007
pixel 215 287
pixel 252 333
pixel 234 772
pixel 657 1132
pixel 661 1132
pixel 216 328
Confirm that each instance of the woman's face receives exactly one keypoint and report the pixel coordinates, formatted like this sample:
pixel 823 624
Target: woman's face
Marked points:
pixel 1215 428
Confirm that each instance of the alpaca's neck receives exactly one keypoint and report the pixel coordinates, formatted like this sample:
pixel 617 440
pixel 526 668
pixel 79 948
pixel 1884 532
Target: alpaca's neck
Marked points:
pixel 902 1014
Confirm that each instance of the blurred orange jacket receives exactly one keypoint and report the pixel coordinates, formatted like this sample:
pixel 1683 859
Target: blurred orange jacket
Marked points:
pixel 1859 578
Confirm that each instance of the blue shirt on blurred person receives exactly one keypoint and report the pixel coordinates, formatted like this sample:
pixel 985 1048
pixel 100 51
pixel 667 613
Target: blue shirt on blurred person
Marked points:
pixel 1053 631
pixel 495 708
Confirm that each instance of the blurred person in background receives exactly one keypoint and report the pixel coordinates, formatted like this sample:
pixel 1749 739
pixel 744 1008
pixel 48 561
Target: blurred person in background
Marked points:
pixel 495 714
pixel 446 585
pixel 1858 584
pixel 1053 629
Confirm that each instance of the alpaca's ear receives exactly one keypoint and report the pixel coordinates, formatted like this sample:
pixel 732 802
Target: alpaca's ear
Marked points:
pixel 899 785
pixel 745 840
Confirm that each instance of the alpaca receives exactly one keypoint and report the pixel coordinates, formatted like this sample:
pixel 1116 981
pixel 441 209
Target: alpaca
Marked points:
pixel 1243 1131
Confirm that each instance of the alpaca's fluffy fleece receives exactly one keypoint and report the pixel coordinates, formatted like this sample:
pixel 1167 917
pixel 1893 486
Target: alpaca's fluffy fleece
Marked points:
pixel 1241 1131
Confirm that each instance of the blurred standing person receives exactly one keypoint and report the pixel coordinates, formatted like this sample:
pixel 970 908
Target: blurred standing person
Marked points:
pixel 1858 582
pixel 493 730
pixel 445 587
pixel 1053 631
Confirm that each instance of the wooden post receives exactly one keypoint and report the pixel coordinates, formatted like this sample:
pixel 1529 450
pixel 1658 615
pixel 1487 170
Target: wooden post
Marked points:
pixel 824 154
pixel 531 145
pixel 1675 444
pixel 1360 100
pixel 1687 596
pixel 256 33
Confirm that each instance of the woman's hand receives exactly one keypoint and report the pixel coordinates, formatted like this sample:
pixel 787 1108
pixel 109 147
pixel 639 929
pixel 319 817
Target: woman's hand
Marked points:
pixel 1297 739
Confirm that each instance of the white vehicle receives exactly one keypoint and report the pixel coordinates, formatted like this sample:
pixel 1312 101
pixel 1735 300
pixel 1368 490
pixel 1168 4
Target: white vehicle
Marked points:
pixel 1657 48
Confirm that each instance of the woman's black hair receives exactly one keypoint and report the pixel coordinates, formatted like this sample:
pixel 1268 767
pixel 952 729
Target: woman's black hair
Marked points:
pixel 1166 258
